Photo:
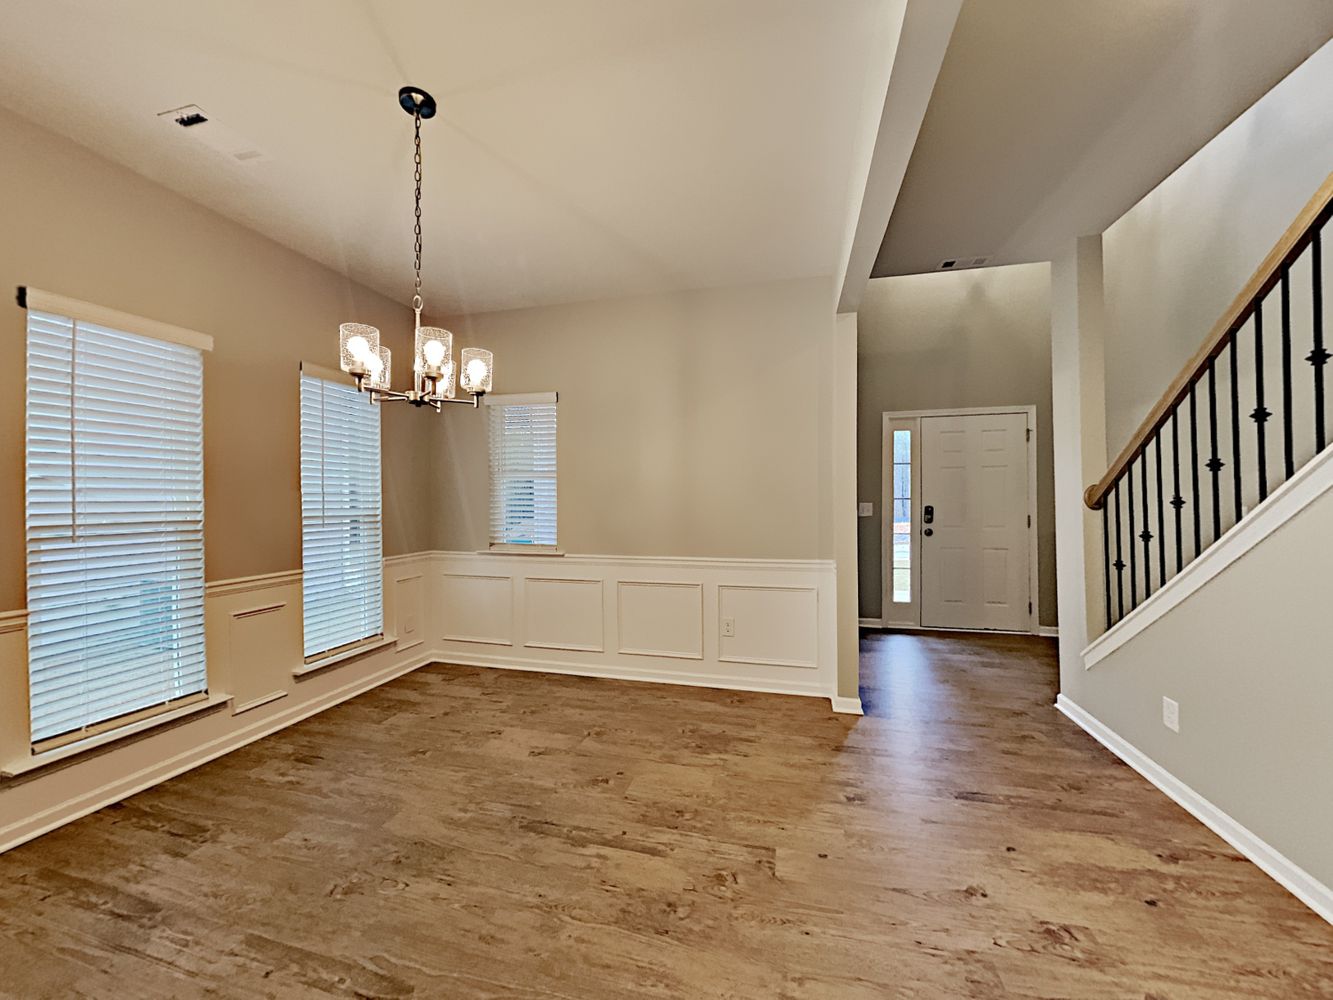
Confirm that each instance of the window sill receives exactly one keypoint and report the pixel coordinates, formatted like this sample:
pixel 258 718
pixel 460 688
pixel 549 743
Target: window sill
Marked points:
pixel 521 550
pixel 314 666
pixel 47 758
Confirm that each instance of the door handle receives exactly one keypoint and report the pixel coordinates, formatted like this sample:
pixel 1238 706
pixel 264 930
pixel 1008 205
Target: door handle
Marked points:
pixel 928 532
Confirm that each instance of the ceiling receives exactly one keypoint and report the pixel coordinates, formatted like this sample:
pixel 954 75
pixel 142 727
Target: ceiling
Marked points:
pixel 584 149
pixel 1050 119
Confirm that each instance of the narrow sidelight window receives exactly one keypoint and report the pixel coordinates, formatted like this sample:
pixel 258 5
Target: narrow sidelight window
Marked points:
pixel 902 517
pixel 341 558
pixel 523 470
pixel 115 525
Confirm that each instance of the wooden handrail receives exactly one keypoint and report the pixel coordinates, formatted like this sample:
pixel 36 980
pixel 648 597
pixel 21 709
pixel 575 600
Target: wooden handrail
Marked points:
pixel 1286 250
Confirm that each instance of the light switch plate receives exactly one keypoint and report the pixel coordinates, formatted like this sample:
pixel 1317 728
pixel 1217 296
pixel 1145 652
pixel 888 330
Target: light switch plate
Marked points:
pixel 865 510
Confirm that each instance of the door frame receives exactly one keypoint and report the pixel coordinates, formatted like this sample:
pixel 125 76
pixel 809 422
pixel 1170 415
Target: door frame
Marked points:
pixel 891 615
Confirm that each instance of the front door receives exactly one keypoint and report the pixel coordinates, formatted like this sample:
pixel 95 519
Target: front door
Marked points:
pixel 974 526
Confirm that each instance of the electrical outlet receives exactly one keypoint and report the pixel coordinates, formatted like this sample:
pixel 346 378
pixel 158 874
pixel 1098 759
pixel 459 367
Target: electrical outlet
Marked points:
pixel 729 627
pixel 865 510
pixel 1171 714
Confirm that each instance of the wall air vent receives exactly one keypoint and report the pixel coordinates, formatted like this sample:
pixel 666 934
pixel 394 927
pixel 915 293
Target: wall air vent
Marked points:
pixel 213 133
pixel 961 263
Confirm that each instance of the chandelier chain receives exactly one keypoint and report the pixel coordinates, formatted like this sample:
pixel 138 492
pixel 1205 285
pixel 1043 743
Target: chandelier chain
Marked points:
pixel 416 227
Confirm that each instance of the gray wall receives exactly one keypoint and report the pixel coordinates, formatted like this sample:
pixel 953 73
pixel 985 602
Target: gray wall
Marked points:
pixel 81 226
pixel 690 424
pixel 954 341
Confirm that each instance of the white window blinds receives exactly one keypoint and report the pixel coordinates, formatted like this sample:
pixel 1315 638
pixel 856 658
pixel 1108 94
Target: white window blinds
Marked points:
pixel 523 475
pixel 340 516
pixel 115 522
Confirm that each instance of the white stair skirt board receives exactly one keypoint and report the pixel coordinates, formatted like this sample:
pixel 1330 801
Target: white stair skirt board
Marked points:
pixel 1311 482
pixel 1281 869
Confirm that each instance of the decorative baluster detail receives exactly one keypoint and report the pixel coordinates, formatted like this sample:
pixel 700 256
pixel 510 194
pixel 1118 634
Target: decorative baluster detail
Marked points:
pixel 1194 471
pixel 1177 501
pixel 1260 413
pixel 1106 560
pixel 1119 559
pixel 1215 462
pixel 1235 425
pixel 1133 570
pixel 1161 519
pixel 1288 446
pixel 1146 534
pixel 1318 357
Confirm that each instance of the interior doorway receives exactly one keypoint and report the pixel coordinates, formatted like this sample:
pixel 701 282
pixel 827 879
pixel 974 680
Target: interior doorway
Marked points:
pixel 959 519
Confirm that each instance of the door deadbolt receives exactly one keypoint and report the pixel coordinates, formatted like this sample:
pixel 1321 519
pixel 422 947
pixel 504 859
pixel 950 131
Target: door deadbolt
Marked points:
pixel 927 514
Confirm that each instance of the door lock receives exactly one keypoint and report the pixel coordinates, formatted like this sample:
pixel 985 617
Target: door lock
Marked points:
pixel 927 514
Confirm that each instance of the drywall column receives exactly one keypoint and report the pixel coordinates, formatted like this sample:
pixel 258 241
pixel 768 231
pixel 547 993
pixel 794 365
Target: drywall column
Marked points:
pixel 843 444
pixel 1078 417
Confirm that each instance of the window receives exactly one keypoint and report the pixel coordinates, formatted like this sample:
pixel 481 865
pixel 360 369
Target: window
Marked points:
pixel 115 524
pixel 523 481
pixel 902 517
pixel 343 585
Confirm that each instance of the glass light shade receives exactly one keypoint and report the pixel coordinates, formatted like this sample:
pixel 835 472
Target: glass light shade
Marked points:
pixel 357 344
pixel 477 367
pixel 378 366
pixel 434 347
pixel 445 386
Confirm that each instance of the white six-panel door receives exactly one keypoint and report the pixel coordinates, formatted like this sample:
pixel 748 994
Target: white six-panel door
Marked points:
pixel 975 552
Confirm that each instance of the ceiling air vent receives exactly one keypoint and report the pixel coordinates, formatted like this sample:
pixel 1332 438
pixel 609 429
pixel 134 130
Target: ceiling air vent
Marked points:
pixel 213 133
pixel 961 263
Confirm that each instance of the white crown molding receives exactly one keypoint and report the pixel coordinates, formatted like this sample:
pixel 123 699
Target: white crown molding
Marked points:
pixel 1280 868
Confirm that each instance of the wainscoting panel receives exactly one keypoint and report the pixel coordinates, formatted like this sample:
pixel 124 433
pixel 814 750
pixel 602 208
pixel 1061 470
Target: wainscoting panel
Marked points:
pixel 474 607
pixel 661 619
pixel 259 647
pixel 632 618
pixel 644 618
pixel 408 609
pixel 776 626
pixel 563 613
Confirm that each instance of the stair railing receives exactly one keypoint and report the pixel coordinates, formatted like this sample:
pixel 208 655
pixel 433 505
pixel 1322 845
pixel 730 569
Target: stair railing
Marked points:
pixel 1197 453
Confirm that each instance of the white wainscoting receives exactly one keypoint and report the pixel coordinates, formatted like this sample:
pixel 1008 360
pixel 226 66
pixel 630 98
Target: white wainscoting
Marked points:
pixel 632 618
pixel 641 618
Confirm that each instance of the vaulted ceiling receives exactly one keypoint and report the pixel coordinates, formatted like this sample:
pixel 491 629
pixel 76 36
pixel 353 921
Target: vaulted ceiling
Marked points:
pixel 584 148
pixel 1050 119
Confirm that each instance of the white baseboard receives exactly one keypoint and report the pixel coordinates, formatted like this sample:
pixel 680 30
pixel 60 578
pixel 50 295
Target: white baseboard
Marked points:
pixel 847 706
pixel 1049 631
pixel 530 664
pixel 1280 868
pixel 871 623
pixel 122 788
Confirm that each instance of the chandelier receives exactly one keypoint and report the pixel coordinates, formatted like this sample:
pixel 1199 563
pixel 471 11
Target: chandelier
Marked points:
pixel 433 371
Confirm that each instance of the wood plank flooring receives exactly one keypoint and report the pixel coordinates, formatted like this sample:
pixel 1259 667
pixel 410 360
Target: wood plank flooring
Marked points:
pixel 464 833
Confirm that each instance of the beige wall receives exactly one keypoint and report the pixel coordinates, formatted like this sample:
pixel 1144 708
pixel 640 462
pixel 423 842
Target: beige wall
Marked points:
pixel 691 424
pixel 83 227
pixel 954 341
pixel 1176 259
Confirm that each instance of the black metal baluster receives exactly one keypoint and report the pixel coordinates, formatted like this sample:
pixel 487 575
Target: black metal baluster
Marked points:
pixel 1235 424
pixel 1194 472
pixel 1260 413
pixel 1161 517
pixel 1288 447
pixel 1215 463
pixel 1133 571
pixel 1318 357
pixel 1106 558
pixel 1119 560
pixel 1177 501
pixel 1146 535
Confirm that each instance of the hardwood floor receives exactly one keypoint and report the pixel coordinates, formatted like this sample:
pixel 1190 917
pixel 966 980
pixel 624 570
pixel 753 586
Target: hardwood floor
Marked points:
pixel 463 833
